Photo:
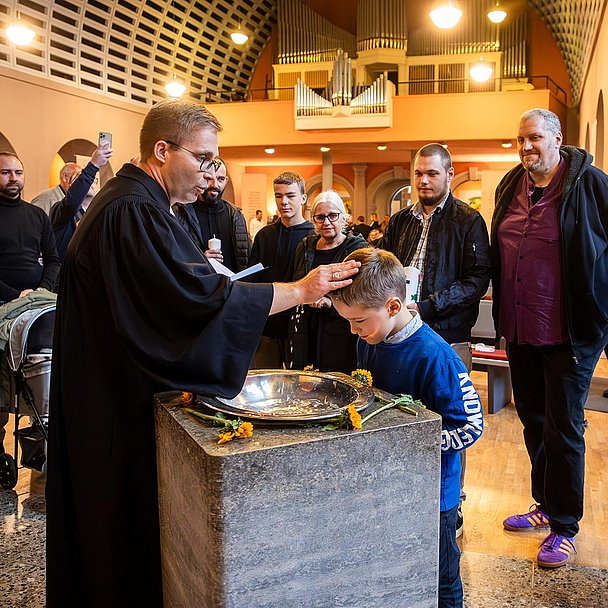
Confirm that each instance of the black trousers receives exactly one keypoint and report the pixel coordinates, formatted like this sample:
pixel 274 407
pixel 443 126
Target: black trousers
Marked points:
pixel 550 389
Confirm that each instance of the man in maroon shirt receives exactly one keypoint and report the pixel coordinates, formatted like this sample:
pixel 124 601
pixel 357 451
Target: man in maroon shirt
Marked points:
pixel 550 289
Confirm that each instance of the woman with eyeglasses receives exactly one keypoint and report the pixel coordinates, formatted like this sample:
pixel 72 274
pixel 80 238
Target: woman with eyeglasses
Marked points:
pixel 318 336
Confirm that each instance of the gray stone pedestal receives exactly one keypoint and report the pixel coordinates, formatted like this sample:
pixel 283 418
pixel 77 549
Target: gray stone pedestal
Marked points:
pixel 299 517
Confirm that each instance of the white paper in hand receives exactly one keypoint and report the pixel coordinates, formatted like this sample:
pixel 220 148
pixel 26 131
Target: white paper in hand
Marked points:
pixel 221 269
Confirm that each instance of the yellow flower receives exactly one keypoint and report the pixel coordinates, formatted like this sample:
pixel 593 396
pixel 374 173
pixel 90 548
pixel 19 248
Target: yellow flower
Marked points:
pixel 355 417
pixel 187 398
pixel 225 437
pixel 244 430
pixel 363 376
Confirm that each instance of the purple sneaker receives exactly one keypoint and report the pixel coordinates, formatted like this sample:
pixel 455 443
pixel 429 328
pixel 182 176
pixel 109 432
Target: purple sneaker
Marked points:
pixel 532 520
pixel 555 551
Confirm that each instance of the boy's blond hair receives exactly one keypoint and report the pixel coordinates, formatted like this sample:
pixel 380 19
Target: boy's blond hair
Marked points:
pixel 380 277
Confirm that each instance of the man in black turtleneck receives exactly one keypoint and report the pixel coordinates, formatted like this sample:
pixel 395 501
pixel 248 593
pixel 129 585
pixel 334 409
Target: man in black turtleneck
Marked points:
pixel 275 247
pixel 28 256
pixel 212 217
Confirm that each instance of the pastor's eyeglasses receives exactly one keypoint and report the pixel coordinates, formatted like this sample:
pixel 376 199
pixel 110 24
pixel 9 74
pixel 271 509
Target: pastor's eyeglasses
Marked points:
pixel 320 219
pixel 206 164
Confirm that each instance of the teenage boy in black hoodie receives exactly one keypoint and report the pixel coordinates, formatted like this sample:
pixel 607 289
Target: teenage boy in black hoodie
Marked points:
pixel 275 247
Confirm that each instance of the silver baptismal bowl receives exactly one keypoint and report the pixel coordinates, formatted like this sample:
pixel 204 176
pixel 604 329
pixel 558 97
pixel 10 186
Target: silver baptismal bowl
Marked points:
pixel 291 396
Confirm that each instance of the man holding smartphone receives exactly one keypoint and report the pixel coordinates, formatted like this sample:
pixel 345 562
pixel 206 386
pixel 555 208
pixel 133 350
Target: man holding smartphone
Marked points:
pixel 67 213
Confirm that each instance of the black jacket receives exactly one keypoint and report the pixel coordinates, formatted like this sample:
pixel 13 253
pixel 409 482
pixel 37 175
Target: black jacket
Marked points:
pixel 63 213
pixel 583 218
pixel 320 336
pixel 456 268
pixel 239 237
pixel 275 246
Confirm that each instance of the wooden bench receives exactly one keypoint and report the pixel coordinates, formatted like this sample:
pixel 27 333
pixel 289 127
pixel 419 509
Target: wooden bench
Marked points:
pixel 496 365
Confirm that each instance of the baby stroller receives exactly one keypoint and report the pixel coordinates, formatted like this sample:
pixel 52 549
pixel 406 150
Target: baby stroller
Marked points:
pixel 26 374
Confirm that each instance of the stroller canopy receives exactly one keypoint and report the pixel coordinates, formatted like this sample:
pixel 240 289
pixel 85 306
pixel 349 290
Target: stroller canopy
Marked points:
pixel 19 333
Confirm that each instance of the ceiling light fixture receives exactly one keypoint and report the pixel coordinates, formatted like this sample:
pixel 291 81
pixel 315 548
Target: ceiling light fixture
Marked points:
pixel 269 150
pixel 382 147
pixel 497 14
pixel 238 36
pixel 481 71
pixel 446 16
pixel 175 88
pixel 507 144
pixel 20 33
pixel 325 148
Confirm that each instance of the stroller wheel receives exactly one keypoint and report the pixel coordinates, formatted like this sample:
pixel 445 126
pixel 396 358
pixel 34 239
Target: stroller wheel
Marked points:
pixel 8 471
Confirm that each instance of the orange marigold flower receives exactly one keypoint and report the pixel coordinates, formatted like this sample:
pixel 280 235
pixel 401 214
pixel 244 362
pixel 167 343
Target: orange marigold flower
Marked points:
pixel 187 397
pixel 355 417
pixel 363 376
pixel 244 430
pixel 225 437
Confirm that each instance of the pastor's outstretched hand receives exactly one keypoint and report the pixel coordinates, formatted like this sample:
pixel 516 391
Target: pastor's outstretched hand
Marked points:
pixel 323 279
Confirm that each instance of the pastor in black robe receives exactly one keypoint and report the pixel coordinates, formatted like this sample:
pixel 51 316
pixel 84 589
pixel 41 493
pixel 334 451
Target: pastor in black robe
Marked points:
pixel 139 311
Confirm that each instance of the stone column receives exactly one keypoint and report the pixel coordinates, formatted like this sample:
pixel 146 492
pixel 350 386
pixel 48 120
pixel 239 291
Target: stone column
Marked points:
pixel 360 195
pixel 328 172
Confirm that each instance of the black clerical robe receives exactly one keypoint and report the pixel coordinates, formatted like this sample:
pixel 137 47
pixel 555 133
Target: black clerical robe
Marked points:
pixel 139 311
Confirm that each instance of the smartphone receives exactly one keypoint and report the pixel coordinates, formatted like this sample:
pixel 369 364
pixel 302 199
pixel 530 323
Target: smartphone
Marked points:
pixel 105 136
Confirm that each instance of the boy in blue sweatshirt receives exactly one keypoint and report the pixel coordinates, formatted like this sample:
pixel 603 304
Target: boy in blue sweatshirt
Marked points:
pixel 404 355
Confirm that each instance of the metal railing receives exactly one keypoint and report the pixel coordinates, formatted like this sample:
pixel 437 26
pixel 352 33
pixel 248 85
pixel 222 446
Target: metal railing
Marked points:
pixel 410 87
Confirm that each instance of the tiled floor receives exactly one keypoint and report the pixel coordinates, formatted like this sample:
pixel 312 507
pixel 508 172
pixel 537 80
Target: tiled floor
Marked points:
pixel 22 533
pixel 490 579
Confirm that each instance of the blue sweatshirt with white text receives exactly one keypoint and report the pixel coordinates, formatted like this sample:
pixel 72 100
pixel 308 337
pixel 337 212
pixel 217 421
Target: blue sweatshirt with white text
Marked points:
pixel 425 367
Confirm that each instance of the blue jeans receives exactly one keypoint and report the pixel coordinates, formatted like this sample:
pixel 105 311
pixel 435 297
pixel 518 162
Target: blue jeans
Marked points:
pixel 450 584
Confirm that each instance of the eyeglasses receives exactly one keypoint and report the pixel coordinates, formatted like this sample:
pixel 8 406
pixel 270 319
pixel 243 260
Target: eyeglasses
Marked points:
pixel 332 217
pixel 206 164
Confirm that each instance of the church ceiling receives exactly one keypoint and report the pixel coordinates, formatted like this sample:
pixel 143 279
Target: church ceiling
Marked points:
pixel 128 49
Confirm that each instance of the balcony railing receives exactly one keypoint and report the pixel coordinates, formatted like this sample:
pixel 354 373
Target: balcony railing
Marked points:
pixel 412 87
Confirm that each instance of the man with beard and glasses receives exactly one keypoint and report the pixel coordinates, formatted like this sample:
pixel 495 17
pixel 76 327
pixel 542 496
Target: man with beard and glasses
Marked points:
pixel 210 216
pixel 447 241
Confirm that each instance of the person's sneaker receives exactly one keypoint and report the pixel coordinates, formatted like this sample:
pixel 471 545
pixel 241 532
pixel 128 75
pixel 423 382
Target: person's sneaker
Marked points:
pixel 459 523
pixel 532 520
pixel 555 551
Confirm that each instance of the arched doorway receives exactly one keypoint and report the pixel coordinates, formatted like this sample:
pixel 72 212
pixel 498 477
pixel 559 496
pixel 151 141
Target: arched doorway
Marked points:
pixel 77 151
pixel 389 192
pixel 599 137
pixel 5 145
pixel 341 185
